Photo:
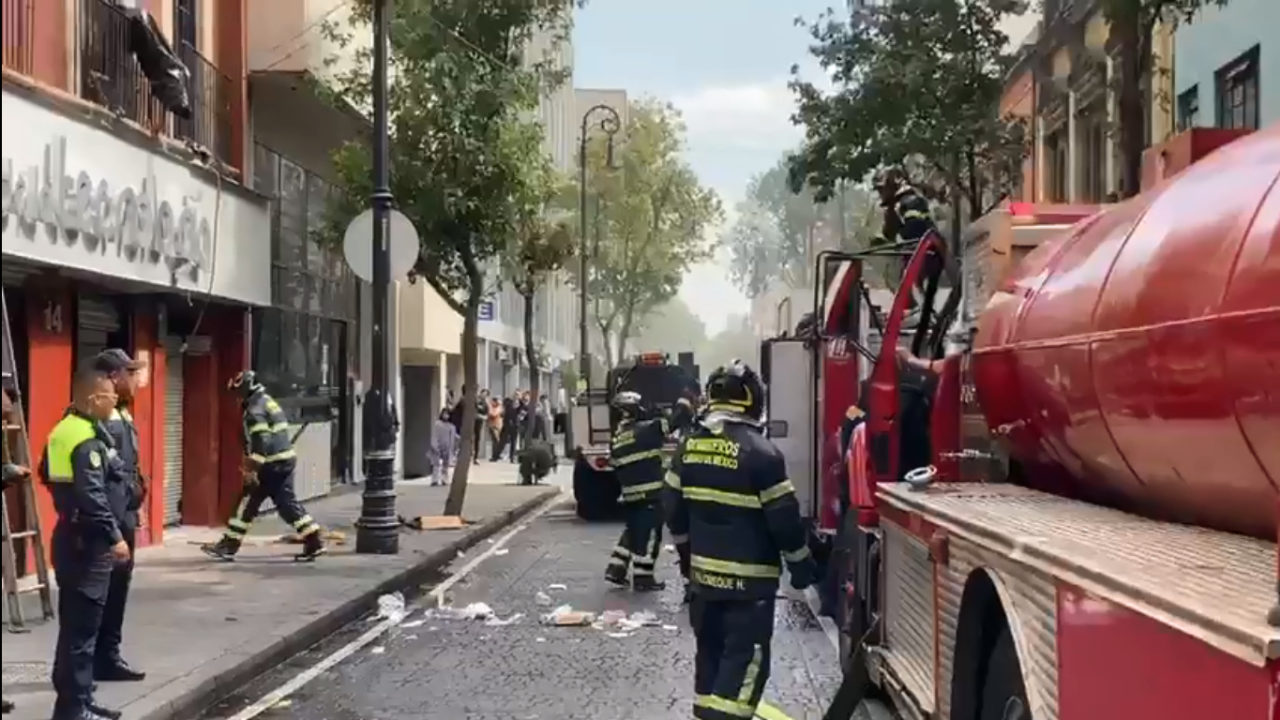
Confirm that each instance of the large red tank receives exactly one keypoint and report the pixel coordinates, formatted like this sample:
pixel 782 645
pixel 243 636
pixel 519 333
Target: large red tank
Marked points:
pixel 1135 361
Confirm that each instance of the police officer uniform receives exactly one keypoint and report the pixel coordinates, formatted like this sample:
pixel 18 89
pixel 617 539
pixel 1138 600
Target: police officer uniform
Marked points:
pixel 734 517
pixel 269 448
pixel 91 500
pixel 636 453
pixel 109 665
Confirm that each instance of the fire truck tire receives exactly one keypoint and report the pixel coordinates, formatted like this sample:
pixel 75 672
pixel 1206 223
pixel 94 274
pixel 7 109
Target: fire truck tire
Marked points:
pixel 595 493
pixel 1004 694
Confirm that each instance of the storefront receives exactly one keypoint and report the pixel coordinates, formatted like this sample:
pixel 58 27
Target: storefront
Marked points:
pixel 110 241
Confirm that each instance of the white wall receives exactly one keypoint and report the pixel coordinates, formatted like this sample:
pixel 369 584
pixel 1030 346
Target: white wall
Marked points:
pixel 118 199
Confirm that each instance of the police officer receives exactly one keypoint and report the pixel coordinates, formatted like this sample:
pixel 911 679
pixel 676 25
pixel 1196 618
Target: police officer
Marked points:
pixel 270 458
pixel 123 371
pixel 91 500
pixel 734 518
pixel 636 452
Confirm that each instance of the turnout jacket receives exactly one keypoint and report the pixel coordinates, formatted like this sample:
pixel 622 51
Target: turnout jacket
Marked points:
pixel 910 219
pixel 727 497
pixel 636 451
pixel 266 430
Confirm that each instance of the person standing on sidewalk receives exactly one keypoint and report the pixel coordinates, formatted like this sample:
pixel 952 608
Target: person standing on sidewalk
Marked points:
pixel 91 500
pixel 443 441
pixel 109 665
pixel 271 459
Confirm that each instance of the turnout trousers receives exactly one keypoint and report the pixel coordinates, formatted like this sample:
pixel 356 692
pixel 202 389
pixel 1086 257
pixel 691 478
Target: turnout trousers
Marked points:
pixel 641 539
pixel 275 482
pixel 84 580
pixel 732 663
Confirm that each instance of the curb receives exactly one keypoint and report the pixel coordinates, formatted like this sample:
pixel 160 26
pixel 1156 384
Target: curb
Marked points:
pixel 193 699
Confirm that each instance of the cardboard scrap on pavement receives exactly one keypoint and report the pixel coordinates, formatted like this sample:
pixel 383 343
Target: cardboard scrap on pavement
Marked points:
pixel 434 522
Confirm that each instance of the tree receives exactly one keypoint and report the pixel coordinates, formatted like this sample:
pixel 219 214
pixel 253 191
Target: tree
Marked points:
pixel 777 231
pixel 914 78
pixel 652 214
pixel 544 243
pixel 461 145
pixel 671 327
pixel 1133 25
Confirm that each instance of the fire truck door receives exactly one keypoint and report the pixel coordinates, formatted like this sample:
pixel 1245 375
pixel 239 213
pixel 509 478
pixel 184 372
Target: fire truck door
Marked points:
pixel 790 410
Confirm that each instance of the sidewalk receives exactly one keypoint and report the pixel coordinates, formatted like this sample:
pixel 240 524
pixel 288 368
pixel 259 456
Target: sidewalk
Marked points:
pixel 200 628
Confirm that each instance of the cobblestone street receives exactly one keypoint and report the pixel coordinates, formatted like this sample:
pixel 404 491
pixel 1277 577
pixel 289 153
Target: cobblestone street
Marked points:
pixel 512 667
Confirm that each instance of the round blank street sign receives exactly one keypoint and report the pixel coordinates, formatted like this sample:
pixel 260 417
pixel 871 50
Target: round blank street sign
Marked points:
pixel 357 245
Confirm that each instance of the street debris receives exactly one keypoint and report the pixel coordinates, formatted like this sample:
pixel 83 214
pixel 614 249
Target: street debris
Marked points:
pixel 496 621
pixel 433 522
pixel 474 611
pixel 391 606
pixel 542 599
pixel 501 551
pixel 378 650
pixel 413 624
pixel 557 586
pixel 566 616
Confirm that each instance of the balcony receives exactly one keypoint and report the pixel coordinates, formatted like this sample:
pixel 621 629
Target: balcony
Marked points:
pixel 111 76
pixel 19 35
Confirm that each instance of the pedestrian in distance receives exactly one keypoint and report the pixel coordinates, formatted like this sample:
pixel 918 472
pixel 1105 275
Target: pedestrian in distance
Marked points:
pixel 269 466
pixel 110 666
pixel 636 453
pixel 734 519
pixel 444 440
pixel 91 500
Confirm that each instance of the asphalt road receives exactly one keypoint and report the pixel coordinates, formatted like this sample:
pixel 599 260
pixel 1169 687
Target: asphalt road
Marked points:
pixel 432 666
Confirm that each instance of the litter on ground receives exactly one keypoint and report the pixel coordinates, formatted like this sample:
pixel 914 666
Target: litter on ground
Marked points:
pixel 391 605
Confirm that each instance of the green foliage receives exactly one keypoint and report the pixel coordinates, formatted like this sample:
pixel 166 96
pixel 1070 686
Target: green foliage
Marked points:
pixel 913 78
pixel 649 217
pixel 776 231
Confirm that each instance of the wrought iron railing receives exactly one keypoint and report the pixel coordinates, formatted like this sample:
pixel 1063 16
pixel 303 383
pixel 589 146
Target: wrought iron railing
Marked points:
pixel 19 38
pixel 111 76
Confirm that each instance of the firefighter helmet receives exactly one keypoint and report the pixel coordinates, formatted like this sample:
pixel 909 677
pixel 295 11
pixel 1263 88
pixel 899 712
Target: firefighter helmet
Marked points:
pixel 629 404
pixel 736 388
pixel 245 381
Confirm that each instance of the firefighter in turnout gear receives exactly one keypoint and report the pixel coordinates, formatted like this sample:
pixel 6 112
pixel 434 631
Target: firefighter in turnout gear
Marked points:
pixel 269 464
pixel 907 216
pixel 734 518
pixel 636 450
pixel 92 501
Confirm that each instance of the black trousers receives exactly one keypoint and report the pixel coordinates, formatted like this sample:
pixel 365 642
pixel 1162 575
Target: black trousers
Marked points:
pixel 275 482
pixel 84 581
pixel 111 633
pixel 732 663
pixel 641 538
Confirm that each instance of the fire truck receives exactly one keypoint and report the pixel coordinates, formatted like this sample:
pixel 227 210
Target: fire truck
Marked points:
pixel 1071 513
pixel 593 419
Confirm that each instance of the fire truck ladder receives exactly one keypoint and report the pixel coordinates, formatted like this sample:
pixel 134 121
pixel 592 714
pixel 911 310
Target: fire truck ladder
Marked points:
pixel 15 436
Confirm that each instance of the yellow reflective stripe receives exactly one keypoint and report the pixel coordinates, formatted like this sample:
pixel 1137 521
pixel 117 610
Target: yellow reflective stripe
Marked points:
pixel 264 459
pixel 61 479
pixel 302 522
pixel 749 677
pixel 234 534
pixel 722 497
pixel 641 489
pixel 637 457
pixel 679 539
pixel 237 524
pixel 796 555
pixel 728 567
pixel 666 426
pixel 765 711
pixel 915 215
pixel 673 480
pixel 728 707
pixel 777 491
pixel 259 428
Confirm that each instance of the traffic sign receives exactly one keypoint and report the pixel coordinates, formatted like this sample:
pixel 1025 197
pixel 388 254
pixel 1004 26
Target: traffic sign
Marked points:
pixel 486 311
pixel 402 238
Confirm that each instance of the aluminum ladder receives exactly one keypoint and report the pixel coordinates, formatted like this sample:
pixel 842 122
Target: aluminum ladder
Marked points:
pixel 30 539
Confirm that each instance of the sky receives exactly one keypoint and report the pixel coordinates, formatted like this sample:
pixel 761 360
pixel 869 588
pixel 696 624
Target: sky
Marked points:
pixel 725 65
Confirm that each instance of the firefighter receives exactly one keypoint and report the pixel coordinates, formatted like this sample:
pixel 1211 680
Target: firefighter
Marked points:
pixel 123 371
pixel 91 502
pixel 734 518
pixel 269 464
pixel 907 216
pixel 636 450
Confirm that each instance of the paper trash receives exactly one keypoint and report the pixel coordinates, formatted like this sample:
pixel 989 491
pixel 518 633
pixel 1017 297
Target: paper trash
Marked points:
pixel 566 616
pixel 391 606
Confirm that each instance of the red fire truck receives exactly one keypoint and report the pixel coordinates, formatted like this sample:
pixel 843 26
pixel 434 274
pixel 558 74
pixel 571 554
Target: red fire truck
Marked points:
pixel 1074 515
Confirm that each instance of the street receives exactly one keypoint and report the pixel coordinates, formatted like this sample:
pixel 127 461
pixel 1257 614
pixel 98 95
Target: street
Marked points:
pixel 510 666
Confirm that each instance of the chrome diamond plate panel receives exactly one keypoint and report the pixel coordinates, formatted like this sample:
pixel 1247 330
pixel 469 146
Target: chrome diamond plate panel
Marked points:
pixel 909 612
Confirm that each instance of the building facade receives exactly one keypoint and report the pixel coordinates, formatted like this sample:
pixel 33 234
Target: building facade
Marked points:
pixel 127 223
pixel 1226 69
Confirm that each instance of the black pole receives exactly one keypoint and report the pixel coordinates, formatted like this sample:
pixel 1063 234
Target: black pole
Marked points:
pixel 610 124
pixel 378 530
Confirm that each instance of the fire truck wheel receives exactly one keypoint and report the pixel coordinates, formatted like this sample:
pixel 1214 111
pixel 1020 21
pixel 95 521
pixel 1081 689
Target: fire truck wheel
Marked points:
pixel 1004 695
pixel 595 493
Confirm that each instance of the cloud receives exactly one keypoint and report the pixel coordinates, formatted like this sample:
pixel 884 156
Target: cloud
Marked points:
pixel 753 117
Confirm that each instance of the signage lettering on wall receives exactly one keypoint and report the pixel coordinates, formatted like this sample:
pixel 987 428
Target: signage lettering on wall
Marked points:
pixel 126 223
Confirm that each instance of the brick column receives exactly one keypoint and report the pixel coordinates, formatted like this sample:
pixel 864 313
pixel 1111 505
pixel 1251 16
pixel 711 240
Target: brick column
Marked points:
pixel 232 40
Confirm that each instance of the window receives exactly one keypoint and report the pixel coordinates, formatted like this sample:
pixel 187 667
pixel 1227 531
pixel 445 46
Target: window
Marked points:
pixel 1189 108
pixel 1238 92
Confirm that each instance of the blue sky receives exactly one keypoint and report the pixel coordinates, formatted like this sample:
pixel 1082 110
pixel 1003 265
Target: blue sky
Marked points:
pixel 725 64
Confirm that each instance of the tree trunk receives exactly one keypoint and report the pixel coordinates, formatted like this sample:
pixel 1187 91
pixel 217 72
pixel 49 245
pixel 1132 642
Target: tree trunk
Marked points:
pixel 1131 117
pixel 531 354
pixel 470 388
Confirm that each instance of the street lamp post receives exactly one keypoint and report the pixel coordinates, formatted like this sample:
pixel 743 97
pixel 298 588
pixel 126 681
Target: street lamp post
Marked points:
pixel 610 124
pixel 377 530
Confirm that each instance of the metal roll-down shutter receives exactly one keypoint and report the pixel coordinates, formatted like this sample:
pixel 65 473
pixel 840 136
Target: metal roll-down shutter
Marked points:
pixel 96 318
pixel 173 425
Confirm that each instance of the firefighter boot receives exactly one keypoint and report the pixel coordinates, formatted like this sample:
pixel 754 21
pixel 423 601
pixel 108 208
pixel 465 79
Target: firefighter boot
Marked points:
pixel 225 549
pixel 312 547
pixel 647 583
pixel 616 573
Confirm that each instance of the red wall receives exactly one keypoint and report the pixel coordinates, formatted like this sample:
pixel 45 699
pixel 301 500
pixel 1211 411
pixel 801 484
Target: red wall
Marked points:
pixel 148 415
pixel 48 376
pixel 232 349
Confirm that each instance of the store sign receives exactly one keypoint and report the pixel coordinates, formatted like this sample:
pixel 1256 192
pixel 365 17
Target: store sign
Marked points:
pixel 120 223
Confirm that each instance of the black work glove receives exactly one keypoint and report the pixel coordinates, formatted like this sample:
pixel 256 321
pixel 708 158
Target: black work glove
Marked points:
pixel 804 573
pixel 682 550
